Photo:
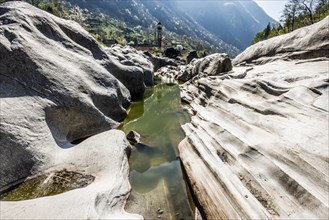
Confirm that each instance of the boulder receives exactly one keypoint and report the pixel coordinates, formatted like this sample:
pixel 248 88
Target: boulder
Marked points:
pixel 211 65
pixel 134 137
pixel 172 52
pixel 138 62
pixel 55 92
pixel 304 43
pixel 191 55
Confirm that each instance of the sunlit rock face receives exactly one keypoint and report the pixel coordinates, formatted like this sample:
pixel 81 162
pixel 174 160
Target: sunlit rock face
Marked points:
pixel 257 146
pixel 304 43
pixel 57 89
pixel 212 65
pixel 131 67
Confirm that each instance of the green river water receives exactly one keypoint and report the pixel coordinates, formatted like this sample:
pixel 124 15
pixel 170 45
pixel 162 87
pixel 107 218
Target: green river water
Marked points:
pixel 156 174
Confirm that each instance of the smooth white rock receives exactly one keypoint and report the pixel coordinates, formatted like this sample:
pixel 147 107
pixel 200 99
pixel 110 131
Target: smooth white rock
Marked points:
pixel 272 126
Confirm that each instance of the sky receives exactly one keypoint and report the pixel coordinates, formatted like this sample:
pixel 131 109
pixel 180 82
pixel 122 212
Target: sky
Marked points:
pixel 273 8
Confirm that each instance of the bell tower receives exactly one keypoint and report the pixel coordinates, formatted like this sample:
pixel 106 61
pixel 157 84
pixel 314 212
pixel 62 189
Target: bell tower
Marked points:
pixel 158 34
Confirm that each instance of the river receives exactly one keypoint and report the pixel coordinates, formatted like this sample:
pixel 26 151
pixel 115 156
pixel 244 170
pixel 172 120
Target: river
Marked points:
pixel 158 186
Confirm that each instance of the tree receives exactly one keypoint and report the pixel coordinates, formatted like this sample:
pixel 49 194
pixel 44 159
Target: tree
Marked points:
pixel 34 2
pixel 267 30
pixel 290 12
pixel 322 8
pixel 296 14
pixel 322 3
pixel 309 7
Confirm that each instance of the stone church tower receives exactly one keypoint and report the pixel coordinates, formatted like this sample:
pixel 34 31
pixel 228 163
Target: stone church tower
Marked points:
pixel 158 35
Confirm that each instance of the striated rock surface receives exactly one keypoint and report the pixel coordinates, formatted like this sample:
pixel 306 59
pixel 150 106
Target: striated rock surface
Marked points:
pixel 307 42
pixel 56 90
pixel 257 145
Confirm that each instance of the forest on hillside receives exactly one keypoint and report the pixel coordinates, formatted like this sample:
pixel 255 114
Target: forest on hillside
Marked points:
pixel 296 14
pixel 107 30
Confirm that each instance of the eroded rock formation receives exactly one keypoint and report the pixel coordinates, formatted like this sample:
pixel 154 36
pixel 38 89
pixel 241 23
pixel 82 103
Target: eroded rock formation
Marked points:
pixel 133 69
pixel 304 43
pixel 257 145
pixel 58 86
pixel 212 65
pixel 104 198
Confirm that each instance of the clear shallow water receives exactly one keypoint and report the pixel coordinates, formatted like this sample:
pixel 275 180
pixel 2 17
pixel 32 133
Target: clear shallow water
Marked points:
pixel 47 185
pixel 155 168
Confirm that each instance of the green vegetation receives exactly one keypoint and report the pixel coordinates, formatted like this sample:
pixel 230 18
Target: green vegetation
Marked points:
pixel 296 14
pixel 108 30
pixel 56 7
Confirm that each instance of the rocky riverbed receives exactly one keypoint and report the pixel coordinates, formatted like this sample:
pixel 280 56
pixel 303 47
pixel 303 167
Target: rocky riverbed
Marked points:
pixel 256 147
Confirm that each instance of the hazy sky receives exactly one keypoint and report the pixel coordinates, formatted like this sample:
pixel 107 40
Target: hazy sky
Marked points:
pixel 272 7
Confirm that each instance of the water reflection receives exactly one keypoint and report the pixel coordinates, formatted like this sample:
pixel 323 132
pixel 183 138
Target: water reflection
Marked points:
pixel 147 181
pixel 158 124
pixel 154 162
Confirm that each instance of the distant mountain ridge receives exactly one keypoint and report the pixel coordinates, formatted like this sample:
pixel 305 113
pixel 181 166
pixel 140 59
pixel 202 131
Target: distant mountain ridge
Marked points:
pixel 228 25
pixel 235 22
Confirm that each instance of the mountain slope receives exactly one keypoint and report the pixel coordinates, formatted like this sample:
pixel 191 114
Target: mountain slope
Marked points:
pixel 235 22
pixel 228 26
